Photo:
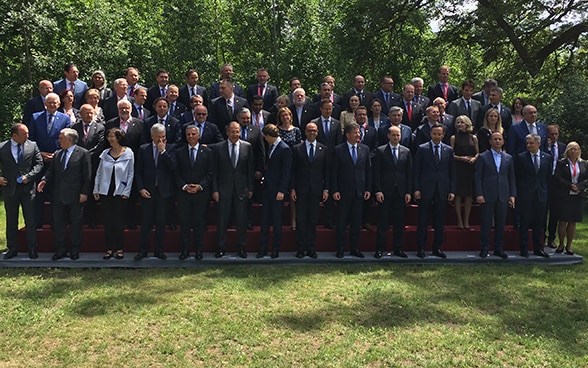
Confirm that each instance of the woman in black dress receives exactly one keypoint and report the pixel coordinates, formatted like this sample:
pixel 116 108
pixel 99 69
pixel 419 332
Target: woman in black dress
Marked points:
pixel 492 123
pixel 570 180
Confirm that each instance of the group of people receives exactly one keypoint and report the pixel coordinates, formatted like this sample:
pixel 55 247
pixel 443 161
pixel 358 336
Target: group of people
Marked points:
pixel 189 144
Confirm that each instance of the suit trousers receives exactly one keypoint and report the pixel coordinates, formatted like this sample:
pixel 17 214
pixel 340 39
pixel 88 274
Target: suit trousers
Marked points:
pixel 192 210
pixel 349 211
pixel 238 207
pixel 307 209
pixel 24 199
pixel 393 207
pixel 61 214
pixel 435 207
pixel 552 223
pixel 492 210
pixel 532 216
pixel 272 216
pixel 154 211
pixel 114 209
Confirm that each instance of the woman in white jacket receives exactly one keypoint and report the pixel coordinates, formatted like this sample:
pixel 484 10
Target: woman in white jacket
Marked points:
pixel 114 180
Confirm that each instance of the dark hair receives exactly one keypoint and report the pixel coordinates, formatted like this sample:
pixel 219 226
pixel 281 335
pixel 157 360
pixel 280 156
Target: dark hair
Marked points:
pixel 468 83
pixel 351 127
pixel 68 67
pixel 119 134
pixel 523 102
pixel 271 130
pixel 160 99
pixel 64 92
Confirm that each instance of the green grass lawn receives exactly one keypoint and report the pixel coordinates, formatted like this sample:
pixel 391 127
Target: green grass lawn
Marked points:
pixel 297 316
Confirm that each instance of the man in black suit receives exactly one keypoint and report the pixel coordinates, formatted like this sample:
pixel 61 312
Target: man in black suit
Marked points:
pixel 301 112
pixel 365 97
pixel 259 116
pixel 173 130
pixel 209 133
pixel 140 110
pixel 483 95
pixel 176 109
pixel 21 164
pixel 446 119
pixel 443 88
pixel 434 186
pixel 37 103
pixel 154 176
pixel 369 137
pixel 333 97
pixel 533 170
pixel 419 85
pixel 465 105
pixel 110 107
pixel 159 90
pixel 226 72
pixel 132 78
pixel 495 191
pixel 70 176
pixel 192 88
pixel 393 188
pixel 495 98
pixel 325 92
pixel 395 119
pixel 268 92
pixel 91 135
pixel 195 164
pixel 351 182
pixel 556 149
pixel 276 180
pixel 413 112
pixel 422 134
pixel 310 187
pixel 386 94
pixel 232 186
pixel 252 134
pixel 225 108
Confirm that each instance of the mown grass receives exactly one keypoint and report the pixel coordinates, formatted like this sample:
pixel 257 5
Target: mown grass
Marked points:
pixel 297 316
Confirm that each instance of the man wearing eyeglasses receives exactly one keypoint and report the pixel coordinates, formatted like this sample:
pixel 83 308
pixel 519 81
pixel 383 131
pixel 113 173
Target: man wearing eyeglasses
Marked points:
pixel 209 133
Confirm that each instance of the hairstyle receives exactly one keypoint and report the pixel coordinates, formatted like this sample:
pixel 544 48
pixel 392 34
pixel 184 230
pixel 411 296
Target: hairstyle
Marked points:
pixel 293 79
pixel 64 92
pixel 416 79
pixel 67 67
pixel 394 109
pixel 374 101
pixel 91 92
pixel 325 101
pixel 244 111
pixel 119 134
pixel 284 98
pixel 521 100
pixel 348 109
pixel 271 130
pixel 101 73
pixel 437 125
pixel 137 90
pixel 123 102
pixel 190 71
pixel 497 90
pixel 351 127
pixel 157 128
pixel 14 129
pixel 256 98
pixel 130 68
pixel 468 83
pixel 160 99
pixel 570 146
pixel 466 120
pixel 536 137
pixel 499 128
pixel 192 127
pixel 282 111
pixel 491 83
pixel 118 81
pixel 70 133
pixel 161 71
pixel 361 107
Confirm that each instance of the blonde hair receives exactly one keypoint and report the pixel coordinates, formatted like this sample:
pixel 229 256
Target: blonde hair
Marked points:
pixel 466 120
pixel 572 145
pixel 499 127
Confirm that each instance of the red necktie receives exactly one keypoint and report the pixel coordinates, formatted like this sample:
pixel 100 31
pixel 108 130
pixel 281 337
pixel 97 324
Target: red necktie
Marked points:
pixel 409 111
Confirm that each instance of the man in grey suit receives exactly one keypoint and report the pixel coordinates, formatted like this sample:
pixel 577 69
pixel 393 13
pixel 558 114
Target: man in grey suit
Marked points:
pixel 70 175
pixel 232 186
pixel 465 105
pixel 21 163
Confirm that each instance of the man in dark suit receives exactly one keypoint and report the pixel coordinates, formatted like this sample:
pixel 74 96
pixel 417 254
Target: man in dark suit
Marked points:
pixel 37 103
pixel 195 164
pixel 71 82
pixel 301 113
pixel 70 176
pixel 209 133
pixel 173 130
pixel 132 78
pixel 413 112
pixel 556 149
pixel 110 107
pixel 159 90
pixel 365 97
pixel 443 88
pixel 495 98
pixel 259 116
pixel 434 186
pixel 517 141
pixel 395 119
pixel 483 95
pixel 154 176
pixel 252 134
pixel 310 187
pixel 386 94
pixel 192 88
pixel 176 108
pixel 226 72
pixel 276 180
pixel 91 135
pixel 232 186
pixel 140 110
pixel 533 172
pixel 21 164
pixel 419 85
pixel 268 92
pixel 351 183
pixel 422 134
pixel 325 92
pixel 333 97
pixel 465 105
pixel 225 108
pixel 495 191
pixel 446 119
pixel 393 188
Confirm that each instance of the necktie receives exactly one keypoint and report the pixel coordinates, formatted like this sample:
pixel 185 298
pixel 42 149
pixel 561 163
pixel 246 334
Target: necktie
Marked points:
pixel 311 153
pixel 244 133
pixel 468 108
pixel 163 92
pixel 230 108
pixel 124 126
pixel 72 86
pixel 532 129
pixel 140 108
pixel 193 155
pixel 86 128
pixel 162 121
pixel 409 111
pixel 271 150
pixel 64 160
pixel 326 129
pixel 553 148
pixel 260 90
pixel 353 155
pixel 436 155
pixel 444 87
pixel 193 92
pixel 386 97
pixel 200 128
pixel 50 124
pixel 536 162
pixel 234 155
pixel 155 154
pixel 19 153
pixel 394 153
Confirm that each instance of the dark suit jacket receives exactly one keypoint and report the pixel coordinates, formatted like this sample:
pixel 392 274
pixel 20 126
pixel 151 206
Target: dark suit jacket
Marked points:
pixel 134 135
pixel 146 173
pixel 392 177
pixel 177 110
pixel 277 170
pixel 315 107
pixel 370 137
pixel 517 141
pixel 421 100
pixel 492 184
pixel 32 106
pixel 348 179
pixel 310 178
pixel 458 108
pixel 533 185
pixel 75 180
pixel 270 94
pixel 215 91
pixel 152 94
pixel 199 172
pixel 435 91
pixel 307 115
pixel 563 179
pixel 449 122
pixel 80 89
pixel 479 96
pixel 417 114
pixel 30 166
pixel 146 112
pixel 405 135
pixel 219 115
pixel 392 100
pixel 210 133
pixel 95 142
pixel 47 142
pixel 335 135
pixel 185 95
pixel 422 134
pixel 505 115
pixel 365 101
pixel 428 177
pixel 228 180
pixel 110 109
pixel 317 98
pixel 255 138
pixel 173 129
pixel 561 148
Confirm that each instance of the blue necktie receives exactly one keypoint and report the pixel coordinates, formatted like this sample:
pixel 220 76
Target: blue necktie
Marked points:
pixel 311 153
pixel 19 153
pixel 353 155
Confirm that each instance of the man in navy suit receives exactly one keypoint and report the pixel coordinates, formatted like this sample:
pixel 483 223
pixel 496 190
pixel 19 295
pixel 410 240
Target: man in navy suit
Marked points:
pixel 483 96
pixel 225 108
pixel 413 112
pixel 386 95
pixel 443 88
pixel 132 78
pixel 37 103
pixel 159 90
pixel 252 134
pixel 393 188
pixel 369 137
pixel 533 170
pixel 226 72
pixel 351 183
pixel 445 119
pixel 276 181
pixel 70 175
pixel 192 88
pixel 434 186
pixel 71 82
pixel 140 109
pixel 556 149
pixel 268 92
pixel 195 164
pixel 419 86
pixel 301 112
pixel 176 108
pixel 109 106
pixel 395 119
pixel 21 164
pixel 365 97
pixel 154 176
pixel 333 97
pixel 495 190
pixel 517 135
pixel 325 92
pixel 209 133
pixel 422 134
pixel 310 187
pixel 173 130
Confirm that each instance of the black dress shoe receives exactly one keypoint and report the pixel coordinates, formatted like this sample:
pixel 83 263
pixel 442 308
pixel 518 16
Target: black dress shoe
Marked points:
pixel 160 256
pixel 552 245
pixel 439 253
pixel 357 253
pixel 92 224
pixel 57 256
pixel 501 254
pixel 300 254
pixel 242 254
pixel 275 254
pixel 368 227
pixel 484 254
pixel 541 253
pixel 569 252
pixel 339 254
pixel 329 225
pixel 312 254
pixel 33 254
pixel 421 253
pixel 140 256
pixel 11 254
pixel 378 254
pixel 525 254
pixel 559 250
pixel 74 256
pixel 184 255
pixel 172 227
pixel 260 254
pixel 219 254
pixel 198 256
pixel 249 227
pixel 400 253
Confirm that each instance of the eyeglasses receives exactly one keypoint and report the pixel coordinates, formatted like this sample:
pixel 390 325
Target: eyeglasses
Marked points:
pixel 201 114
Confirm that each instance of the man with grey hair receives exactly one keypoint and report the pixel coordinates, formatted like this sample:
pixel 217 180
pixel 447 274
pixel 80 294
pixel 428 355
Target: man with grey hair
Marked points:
pixel 484 94
pixel 70 176
pixel 495 98
pixel 419 84
pixel 154 176
pixel 120 93
pixel 301 112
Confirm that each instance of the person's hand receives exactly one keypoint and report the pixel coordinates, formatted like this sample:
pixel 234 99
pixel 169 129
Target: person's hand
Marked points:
pixel 380 197
pixel 3 181
pixel 293 195
pixel 417 194
pixel 41 185
pixel 337 196
pixel 96 196
pixel 145 194
pixel 83 198
pixel 215 196
pixel 279 196
pixel 480 199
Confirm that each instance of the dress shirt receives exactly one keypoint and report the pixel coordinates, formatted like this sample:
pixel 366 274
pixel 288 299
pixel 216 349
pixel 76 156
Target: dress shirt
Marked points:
pixel 497 159
pixel 308 144
pixel 394 150
pixel 67 153
pixel 14 149
pixel 237 146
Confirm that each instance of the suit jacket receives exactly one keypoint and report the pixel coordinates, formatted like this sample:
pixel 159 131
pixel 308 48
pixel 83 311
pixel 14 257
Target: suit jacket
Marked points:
pixel 110 109
pixel 306 116
pixel 393 177
pixel 310 178
pixel 135 112
pixel 33 105
pixel 481 97
pixel 80 89
pixel 449 122
pixel 255 138
pixel 351 180
pixel 198 172
pixel 505 115
pixel 209 133
pixel 184 98
pixel 264 118
pixel 30 166
pixel 177 110
pixel 335 135
pixel 315 107
pixel 435 91
pixel 516 141
pixel 277 170
pixel 219 115
pixel 47 141
pixel 561 148
pixel 76 179
pixel 147 174
pixel 392 100
pixel 533 185
pixel 562 179
pixel 95 141
pixel 495 185
pixel 173 129
pixel 421 100
pixel 365 101
pixel 417 114
pixel 369 136
pixel 215 91
pixel 152 94
pixel 431 179
pixel 422 134
pixel 458 108
pixel 228 180
pixel 134 134
pixel 405 135
pixel 270 95
pixel 317 98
